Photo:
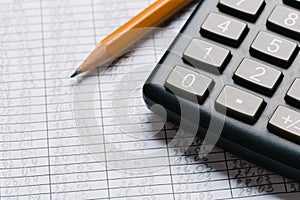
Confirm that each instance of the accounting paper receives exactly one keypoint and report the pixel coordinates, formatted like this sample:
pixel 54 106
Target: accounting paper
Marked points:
pixel 93 137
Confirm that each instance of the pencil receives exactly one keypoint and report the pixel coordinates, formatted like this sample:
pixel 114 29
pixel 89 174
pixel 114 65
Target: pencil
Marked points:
pixel 128 34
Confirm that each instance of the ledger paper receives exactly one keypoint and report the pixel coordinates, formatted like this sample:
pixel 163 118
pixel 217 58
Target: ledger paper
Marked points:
pixel 45 154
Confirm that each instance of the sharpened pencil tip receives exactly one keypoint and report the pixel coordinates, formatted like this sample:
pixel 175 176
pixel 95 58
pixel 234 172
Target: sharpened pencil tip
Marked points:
pixel 75 73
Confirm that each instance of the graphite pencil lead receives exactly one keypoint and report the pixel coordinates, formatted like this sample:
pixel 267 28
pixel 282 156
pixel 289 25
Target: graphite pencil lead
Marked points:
pixel 75 73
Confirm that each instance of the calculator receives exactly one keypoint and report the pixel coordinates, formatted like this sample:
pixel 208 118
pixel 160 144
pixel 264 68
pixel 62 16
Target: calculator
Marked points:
pixel 240 60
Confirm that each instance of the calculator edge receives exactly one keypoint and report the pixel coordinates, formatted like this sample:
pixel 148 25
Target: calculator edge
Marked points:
pixel 153 91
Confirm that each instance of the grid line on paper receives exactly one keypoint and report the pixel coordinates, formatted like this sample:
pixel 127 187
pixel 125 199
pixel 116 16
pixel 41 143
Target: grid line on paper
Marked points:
pixel 100 100
pixel 46 108
pixel 170 169
pixel 285 184
pixel 227 170
pixel 95 181
pixel 96 143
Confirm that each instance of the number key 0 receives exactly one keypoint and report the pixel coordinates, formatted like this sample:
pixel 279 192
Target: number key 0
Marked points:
pixel 188 84
pixel 274 49
pixel 258 76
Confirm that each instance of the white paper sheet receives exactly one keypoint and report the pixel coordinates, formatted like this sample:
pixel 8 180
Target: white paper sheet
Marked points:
pixel 55 144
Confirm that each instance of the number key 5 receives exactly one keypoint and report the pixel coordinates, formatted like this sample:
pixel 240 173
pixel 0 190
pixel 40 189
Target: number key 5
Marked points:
pixel 274 49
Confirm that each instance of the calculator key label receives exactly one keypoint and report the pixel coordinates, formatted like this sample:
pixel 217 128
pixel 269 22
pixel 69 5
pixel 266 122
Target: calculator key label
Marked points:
pixel 188 81
pixel 239 101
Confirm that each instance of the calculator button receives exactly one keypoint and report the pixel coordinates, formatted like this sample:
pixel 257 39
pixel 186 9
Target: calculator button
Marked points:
pixel 258 76
pixel 294 3
pixel 285 21
pixel 244 9
pixel 188 83
pixel 206 56
pixel 293 95
pixel 285 122
pixel 224 29
pixel 274 49
pixel 240 104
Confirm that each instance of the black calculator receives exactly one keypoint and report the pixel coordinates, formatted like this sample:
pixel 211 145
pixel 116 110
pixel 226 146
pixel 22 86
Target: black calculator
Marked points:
pixel 237 63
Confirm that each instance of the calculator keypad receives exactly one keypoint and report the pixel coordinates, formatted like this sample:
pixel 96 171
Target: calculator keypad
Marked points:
pixel 285 21
pixel 257 76
pixel 245 9
pixel 240 104
pixel 224 29
pixel 206 56
pixel 285 122
pixel 188 83
pixel 229 28
pixel 293 95
pixel 274 49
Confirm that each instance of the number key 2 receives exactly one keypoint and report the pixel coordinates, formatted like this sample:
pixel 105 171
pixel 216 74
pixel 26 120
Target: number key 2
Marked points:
pixel 285 21
pixel 258 76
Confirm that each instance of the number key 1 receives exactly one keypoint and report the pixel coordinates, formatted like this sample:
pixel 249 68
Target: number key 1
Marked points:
pixel 206 56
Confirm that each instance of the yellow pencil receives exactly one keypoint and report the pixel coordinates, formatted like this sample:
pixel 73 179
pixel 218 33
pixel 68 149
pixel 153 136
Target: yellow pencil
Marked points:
pixel 116 43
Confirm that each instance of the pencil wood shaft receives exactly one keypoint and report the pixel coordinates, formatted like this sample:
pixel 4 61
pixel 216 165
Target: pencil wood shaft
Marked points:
pixel 120 40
